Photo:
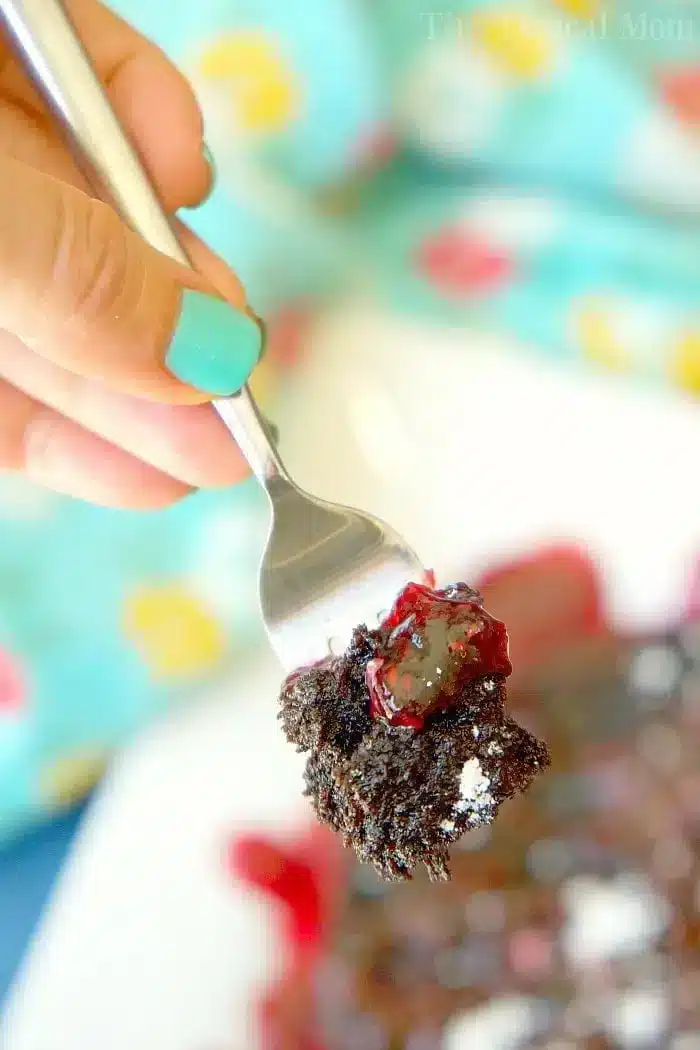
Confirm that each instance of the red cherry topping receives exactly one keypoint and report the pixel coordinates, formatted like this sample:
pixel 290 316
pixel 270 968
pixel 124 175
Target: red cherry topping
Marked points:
pixel 438 642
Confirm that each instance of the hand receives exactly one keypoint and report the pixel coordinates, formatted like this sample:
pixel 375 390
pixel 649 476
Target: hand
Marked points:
pixel 109 350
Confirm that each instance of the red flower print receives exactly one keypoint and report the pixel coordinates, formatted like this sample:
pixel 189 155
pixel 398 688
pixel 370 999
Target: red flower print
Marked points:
pixel 12 684
pixel 457 262
pixel 377 147
pixel 681 90
pixel 286 333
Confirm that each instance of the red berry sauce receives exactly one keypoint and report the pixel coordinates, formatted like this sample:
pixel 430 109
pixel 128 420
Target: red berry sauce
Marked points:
pixel 439 641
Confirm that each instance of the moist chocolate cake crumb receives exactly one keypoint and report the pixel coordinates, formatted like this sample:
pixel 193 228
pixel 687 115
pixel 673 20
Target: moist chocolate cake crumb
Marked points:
pixel 404 774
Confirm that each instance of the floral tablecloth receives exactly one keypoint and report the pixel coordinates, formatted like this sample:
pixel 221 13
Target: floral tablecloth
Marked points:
pixel 532 168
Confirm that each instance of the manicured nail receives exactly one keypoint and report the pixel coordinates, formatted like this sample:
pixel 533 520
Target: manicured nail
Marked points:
pixel 257 319
pixel 211 164
pixel 215 347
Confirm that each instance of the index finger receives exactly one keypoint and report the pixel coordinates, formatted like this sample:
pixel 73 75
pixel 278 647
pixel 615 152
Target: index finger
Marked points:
pixel 152 98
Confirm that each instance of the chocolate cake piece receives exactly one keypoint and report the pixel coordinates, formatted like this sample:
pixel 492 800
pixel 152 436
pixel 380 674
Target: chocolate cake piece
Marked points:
pixel 409 742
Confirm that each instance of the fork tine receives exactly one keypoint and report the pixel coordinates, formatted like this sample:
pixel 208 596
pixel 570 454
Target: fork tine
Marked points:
pixel 326 569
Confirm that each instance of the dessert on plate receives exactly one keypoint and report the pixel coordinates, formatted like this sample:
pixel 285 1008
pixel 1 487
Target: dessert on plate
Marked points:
pixel 572 921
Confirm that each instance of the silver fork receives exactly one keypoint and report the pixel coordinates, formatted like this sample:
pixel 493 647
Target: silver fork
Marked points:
pixel 326 568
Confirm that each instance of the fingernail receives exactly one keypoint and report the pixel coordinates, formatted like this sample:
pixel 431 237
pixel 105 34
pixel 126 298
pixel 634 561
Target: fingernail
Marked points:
pixel 211 164
pixel 257 319
pixel 215 347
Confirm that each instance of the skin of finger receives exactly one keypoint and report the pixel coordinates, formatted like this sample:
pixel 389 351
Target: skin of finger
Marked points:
pixel 146 85
pixel 179 177
pixel 151 96
pixel 217 273
pixel 85 291
pixel 58 454
pixel 16 409
pixel 36 145
pixel 187 442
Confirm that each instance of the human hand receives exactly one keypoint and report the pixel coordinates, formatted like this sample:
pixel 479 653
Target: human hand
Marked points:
pixel 109 350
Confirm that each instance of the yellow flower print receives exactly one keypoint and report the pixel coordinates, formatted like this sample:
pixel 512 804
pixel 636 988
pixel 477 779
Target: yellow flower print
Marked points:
pixel 68 780
pixel 580 8
pixel 264 91
pixel 263 382
pixel 595 333
pixel 177 635
pixel 515 42
pixel 685 363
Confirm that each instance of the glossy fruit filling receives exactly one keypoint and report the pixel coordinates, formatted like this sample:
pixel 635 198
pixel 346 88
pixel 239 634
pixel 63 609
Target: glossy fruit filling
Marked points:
pixel 439 641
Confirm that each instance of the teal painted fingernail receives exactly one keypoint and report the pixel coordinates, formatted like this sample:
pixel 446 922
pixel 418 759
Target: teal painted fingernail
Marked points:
pixel 211 164
pixel 215 347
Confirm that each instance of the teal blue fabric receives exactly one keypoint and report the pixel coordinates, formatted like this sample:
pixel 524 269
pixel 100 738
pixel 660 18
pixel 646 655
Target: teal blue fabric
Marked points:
pixel 27 874
pixel 67 571
pixel 329 47
pixel 583 249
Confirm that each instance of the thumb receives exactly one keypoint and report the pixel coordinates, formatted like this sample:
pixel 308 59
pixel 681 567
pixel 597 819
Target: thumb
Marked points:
pixel 81 289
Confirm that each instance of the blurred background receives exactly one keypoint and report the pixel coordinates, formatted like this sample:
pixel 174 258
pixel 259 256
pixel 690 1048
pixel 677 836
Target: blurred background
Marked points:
pixel 473 231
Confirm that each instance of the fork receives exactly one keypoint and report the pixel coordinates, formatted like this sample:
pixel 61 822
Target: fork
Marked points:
pixel 326 568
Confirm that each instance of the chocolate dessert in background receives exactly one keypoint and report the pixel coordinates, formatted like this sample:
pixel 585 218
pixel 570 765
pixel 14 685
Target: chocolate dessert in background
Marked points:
pixel 572 922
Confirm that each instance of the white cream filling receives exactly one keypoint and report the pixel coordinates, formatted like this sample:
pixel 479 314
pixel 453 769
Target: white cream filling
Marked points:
pixel 475 796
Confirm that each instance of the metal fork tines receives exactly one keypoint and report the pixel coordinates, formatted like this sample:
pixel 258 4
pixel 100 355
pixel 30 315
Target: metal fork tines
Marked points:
pixel 326 569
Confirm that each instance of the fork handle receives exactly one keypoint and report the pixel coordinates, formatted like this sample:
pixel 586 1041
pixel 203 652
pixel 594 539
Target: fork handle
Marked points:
pixel 55 59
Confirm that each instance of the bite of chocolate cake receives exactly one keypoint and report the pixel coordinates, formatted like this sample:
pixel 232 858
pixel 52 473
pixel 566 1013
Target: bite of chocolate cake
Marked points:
pixel 409 741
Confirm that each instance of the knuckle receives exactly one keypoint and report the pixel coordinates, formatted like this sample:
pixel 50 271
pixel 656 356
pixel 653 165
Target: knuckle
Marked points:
pixel 91 263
